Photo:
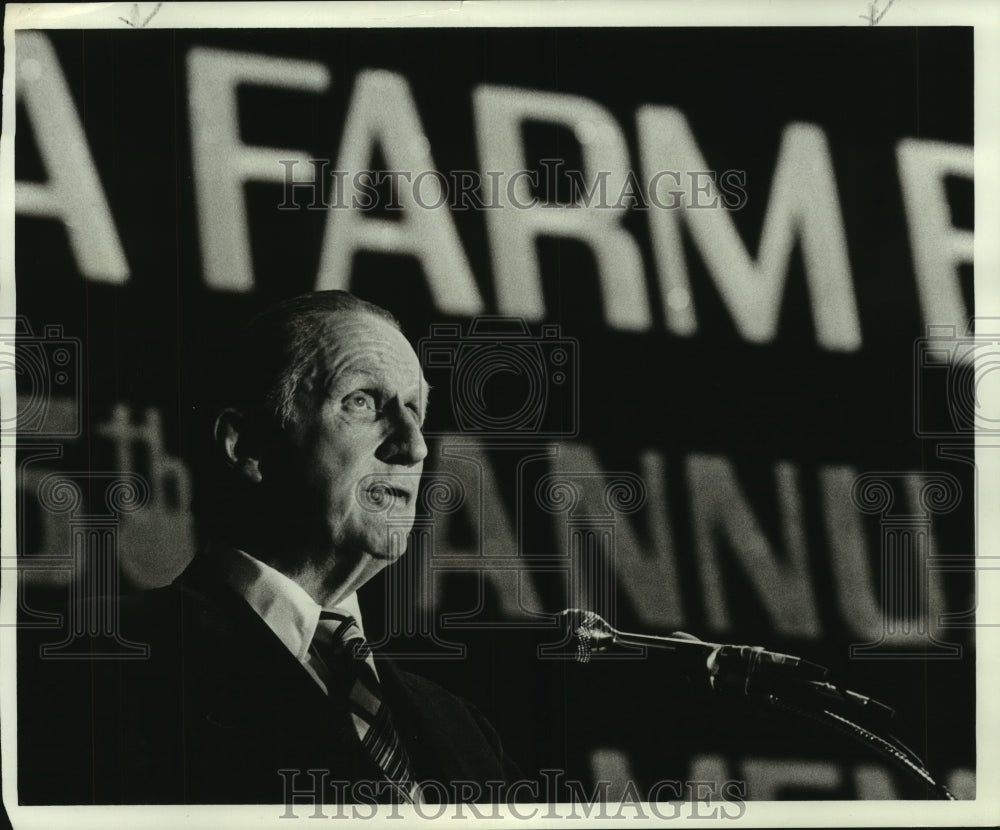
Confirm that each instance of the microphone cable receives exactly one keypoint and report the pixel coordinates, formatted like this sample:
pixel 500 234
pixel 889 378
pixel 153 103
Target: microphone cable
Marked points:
pixel 892 749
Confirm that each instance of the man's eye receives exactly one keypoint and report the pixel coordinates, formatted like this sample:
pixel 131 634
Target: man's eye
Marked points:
pixel 360 401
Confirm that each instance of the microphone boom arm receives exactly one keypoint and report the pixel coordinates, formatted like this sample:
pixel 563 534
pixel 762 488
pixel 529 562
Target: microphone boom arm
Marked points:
pixel 781 680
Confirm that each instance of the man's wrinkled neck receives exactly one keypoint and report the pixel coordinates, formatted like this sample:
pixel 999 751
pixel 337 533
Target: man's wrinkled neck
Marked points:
pixel 327 576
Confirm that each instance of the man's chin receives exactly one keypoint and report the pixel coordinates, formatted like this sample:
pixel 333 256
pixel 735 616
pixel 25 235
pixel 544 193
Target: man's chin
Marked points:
pixel 387 555
pixel 390 547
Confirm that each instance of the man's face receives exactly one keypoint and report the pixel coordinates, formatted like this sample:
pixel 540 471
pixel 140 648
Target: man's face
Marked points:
pixel 351 457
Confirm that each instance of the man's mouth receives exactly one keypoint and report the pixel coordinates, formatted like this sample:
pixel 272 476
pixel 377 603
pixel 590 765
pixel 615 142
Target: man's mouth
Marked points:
pixel 382 492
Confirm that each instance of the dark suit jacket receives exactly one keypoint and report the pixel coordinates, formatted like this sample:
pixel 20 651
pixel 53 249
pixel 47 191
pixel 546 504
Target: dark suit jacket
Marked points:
pixel 218 710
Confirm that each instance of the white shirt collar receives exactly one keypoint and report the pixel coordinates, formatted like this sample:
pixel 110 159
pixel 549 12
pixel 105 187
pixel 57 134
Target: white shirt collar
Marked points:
pixel 283 604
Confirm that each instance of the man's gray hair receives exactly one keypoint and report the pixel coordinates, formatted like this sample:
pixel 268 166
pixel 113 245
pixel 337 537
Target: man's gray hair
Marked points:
pixel 282 344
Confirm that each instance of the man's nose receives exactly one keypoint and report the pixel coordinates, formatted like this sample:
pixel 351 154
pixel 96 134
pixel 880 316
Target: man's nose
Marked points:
pixel 405 444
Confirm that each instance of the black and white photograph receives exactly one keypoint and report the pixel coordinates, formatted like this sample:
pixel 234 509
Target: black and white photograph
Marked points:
pixel 506 412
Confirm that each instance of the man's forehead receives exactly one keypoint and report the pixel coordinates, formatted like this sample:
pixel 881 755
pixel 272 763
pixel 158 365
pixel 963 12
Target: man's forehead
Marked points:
pixel 355 341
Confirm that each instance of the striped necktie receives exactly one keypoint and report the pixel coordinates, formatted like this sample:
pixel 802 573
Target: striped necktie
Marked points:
pixel 340 644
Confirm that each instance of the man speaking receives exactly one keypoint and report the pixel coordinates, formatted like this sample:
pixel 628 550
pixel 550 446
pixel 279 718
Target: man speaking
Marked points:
pixel 259 685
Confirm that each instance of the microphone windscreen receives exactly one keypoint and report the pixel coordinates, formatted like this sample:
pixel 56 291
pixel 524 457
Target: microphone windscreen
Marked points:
pixel 588 630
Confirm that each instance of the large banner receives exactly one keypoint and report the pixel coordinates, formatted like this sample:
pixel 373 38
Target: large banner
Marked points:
pixel 696 307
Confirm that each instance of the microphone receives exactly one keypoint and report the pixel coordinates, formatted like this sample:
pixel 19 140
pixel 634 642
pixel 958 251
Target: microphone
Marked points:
pixel 728 669
pixel 782 680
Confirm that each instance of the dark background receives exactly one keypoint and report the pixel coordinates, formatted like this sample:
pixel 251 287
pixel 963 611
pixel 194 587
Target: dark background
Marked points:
pixel 712 393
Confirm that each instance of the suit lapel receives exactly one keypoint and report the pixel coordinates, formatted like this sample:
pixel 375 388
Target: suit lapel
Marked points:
pixel 439 736
pixel 248 681
pixel 248 688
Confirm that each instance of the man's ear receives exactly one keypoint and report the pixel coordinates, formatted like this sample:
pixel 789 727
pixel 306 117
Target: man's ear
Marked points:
pixel 236 437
